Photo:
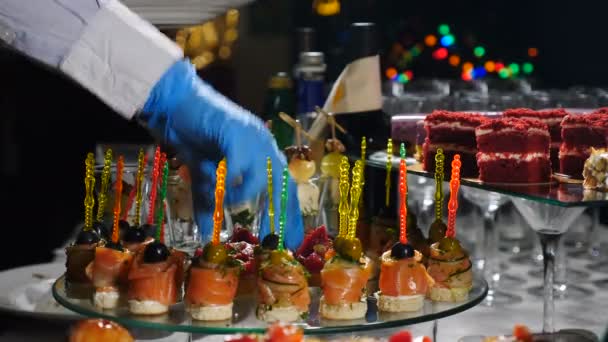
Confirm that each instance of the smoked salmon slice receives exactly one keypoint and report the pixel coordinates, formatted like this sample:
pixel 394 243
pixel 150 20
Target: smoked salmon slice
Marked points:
pixel 404 277
pixel 109 268
pixel 344 282
pixel 212 286
pixel 450 269
pixel 153 281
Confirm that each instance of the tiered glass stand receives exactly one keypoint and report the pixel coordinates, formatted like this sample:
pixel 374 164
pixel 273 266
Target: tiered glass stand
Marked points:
pixel 549 208
pixel 244 319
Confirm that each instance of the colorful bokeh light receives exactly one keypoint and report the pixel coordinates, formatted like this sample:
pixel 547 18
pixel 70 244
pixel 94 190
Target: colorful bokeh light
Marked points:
pixel 441 53
pixel 498 66
pixel 447 40
pixel 409 74
pixel 514 67
pixel 527 68
pixel 479 51
pixel 402 78
pixel 466 76
pixel 443 29
pixel 391 73
pixel 454 60
pixel 430 40
pixel 504 73
pixel 467 66
pixel 532 52
pixel 416 50
pixel 489 66
pixel 479 72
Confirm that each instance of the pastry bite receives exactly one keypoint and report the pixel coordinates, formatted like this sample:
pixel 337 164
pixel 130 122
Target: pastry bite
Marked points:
pixel 213 281
pixel 155 279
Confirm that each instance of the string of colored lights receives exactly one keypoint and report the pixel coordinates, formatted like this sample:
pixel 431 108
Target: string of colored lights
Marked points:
pixel 478 67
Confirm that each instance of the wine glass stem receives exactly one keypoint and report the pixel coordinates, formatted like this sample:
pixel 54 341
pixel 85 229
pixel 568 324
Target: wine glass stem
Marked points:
pixel 549 244
pixel 491 267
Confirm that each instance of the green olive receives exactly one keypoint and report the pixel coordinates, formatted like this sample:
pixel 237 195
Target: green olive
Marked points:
pixel 351 249
pixel 437 231
pixel 338 241
pixel 278 257
pixel 215 254
pixel 450 245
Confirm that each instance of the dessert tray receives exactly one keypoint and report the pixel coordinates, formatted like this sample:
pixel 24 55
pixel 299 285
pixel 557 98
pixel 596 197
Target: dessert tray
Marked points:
pixel 244 318
pixel 561 191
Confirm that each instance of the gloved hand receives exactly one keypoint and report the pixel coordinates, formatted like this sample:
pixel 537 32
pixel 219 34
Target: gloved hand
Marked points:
pixel 204 126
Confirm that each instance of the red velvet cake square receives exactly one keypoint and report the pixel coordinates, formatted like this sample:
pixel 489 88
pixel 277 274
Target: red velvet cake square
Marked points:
pixel 454 132
pixel 513 150
pixel 552 118
pixel 580 132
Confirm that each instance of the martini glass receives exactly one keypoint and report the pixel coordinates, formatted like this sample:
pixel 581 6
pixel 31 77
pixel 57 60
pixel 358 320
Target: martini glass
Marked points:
pixel 550 223
pixel 489 203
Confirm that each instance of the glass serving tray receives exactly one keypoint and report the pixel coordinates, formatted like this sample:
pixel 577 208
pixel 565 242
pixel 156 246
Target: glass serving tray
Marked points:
pixel 561 191
pixel 245 321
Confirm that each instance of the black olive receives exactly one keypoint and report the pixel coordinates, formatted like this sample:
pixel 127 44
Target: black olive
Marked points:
pixel 116 246
pixel 149 229
pixel 156 252
pixel 102 230
pixel 271 241
pixel 87 237
pixel 134 234
pixel 402 251
pixel 123 225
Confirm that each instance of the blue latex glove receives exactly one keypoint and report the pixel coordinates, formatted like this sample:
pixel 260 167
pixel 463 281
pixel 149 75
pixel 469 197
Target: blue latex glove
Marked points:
pixel 204 126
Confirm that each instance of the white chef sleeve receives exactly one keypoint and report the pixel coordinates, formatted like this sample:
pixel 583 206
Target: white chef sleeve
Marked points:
pixel 100 44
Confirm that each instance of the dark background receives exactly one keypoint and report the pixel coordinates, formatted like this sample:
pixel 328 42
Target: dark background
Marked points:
pixel 48 123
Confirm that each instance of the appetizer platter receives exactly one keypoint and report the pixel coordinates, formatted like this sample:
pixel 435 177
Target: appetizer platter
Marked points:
pixel 128 274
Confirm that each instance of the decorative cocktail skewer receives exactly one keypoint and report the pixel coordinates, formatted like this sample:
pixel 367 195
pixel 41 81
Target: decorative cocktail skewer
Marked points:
pixel 402 197
pixel 215 252
pixel 389 167
pixel 218 213
pixel 163 194
pixel 283 214
pixel 343 209
pixel 355 194
pixel 116 227
pixel 270 199
pixel 105 182
pixel 154 185
pixel 453 203
pixel 139 181
pixel 438 227
pixel 89 200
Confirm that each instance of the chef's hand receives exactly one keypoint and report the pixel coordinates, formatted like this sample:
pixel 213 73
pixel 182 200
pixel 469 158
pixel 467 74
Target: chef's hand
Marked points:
pixel 128 64
pixel 204 127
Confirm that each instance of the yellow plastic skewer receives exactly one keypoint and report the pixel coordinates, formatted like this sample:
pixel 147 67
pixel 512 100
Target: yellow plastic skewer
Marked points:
pixel 343 205
pixel 439 174
pixel 218 214
pixel 139 184
pixel 89 200
pixel 363 156
pixel 389 167
pixel 105 182
pixel 270 203
pixel 355 193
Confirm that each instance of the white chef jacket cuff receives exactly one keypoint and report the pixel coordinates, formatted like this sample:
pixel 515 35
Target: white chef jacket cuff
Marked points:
pixel 119 57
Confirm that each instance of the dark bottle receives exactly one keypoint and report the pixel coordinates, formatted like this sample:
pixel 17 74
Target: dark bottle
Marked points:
pixel 310 76
pixel 280 98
